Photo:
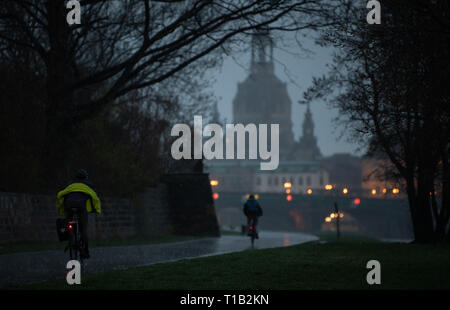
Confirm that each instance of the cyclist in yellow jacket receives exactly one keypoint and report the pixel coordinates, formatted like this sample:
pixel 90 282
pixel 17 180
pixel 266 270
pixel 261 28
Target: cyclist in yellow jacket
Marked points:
pixel 79 194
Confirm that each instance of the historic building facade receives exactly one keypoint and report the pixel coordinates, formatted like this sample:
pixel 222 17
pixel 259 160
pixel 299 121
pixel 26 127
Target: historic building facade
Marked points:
pixel 262 98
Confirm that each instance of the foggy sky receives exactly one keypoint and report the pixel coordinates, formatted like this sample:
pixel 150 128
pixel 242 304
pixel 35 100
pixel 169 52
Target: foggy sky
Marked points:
pixel 300 68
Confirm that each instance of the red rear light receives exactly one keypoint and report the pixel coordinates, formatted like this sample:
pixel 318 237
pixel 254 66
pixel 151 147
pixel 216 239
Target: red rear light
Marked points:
pixel 251 227
pixel 70 226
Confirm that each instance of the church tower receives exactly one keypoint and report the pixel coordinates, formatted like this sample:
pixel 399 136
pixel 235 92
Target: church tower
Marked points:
pixel 307 148
pixel 262 98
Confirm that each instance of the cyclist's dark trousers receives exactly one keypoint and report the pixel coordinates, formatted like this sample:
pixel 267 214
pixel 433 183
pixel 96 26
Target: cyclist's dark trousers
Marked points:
pixel 82 216
pixel 252 220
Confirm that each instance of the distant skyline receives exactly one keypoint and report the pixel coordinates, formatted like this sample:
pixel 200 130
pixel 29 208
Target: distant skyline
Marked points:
pixel 288 67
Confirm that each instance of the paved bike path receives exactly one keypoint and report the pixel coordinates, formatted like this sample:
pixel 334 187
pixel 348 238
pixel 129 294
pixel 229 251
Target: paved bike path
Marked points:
pixel 31 267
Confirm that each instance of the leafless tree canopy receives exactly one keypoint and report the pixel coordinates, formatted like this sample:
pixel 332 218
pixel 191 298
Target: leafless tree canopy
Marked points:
pixel 390 83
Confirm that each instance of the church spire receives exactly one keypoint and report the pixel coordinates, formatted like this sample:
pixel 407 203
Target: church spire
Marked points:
pixel 262 52
pixel 308 123
pixel 307 147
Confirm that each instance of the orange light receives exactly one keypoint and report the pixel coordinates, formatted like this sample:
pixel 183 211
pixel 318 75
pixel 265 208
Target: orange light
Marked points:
pixel 328 187
pixel 256 196
pixel 395 191
pixel 328 219
pixel 289 197
pixel 309 191
pixel 341 215
pixel 287 185
pixel 374 192
pixel 214 183
pixel 357 201
pixel 332 215
pixel 288 191
pixel 345 191
pixel 216 196
pixel 384 190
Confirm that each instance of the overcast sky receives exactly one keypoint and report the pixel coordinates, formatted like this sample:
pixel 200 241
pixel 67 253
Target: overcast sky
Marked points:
pixel 299 68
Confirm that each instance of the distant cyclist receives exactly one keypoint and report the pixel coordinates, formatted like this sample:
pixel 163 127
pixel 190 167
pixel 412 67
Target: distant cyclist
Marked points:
pixel 79 194
pixel 252 210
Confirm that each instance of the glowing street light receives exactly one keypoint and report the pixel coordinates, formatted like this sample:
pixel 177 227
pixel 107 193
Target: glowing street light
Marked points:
pixel 309 191
pixel 384 190
pixel 288 191
pixel 345 191
pixel 214 182
pixel 395 191
pixel 287 185
pixel 374 192
pixel 328 219
pixel 328 187
pixel 289 197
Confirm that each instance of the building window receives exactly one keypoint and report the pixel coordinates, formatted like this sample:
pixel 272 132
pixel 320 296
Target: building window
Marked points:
pixel 300 181
pixel 269 181
pixel 258 181
pixel 276 181
pixel 308 180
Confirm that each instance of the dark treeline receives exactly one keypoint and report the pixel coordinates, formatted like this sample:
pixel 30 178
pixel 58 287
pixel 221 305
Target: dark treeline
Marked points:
pixel 390 83
pixel 102 95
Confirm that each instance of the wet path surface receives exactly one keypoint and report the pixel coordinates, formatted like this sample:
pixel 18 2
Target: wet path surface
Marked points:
pixel 21 268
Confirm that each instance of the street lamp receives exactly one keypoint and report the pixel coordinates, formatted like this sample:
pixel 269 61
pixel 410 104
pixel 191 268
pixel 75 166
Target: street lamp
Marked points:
pixel 214 182
pixel 345 191
pixel 330 187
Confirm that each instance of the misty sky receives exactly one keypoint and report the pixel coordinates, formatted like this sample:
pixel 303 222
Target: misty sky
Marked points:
pixel 300 68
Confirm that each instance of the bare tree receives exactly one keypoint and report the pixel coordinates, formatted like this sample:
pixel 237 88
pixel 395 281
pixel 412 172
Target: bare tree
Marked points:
pixel 393 93
pixel 127 45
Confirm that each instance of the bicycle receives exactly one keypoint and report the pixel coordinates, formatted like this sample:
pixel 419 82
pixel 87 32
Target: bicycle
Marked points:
pixel 252 232
pixel 75 244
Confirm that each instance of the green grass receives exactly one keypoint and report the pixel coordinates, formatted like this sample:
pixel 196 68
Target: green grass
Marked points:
pixel 347 238
pixel 332 265
pixel 44 246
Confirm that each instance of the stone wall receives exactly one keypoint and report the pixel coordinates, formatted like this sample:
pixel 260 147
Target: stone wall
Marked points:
pixel 33 218
pixel 191 206
pixel 182 205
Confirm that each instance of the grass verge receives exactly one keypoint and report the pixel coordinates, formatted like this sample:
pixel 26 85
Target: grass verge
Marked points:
pixel 311 266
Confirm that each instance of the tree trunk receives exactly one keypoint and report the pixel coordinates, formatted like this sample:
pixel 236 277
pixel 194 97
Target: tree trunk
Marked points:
pixel 60 105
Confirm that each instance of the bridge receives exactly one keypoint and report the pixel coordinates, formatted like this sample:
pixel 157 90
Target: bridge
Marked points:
pixel 376 217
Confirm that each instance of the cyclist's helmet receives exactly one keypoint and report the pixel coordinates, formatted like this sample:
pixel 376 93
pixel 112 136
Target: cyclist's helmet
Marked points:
pixel 251 197
pixel 82 174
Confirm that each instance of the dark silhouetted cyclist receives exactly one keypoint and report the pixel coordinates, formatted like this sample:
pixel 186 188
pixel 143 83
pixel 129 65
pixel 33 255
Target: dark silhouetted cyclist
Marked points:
pixel 79 194
pixel 252 210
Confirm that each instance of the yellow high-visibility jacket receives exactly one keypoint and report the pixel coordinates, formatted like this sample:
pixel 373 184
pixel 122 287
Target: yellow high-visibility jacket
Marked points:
pixel 94 206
